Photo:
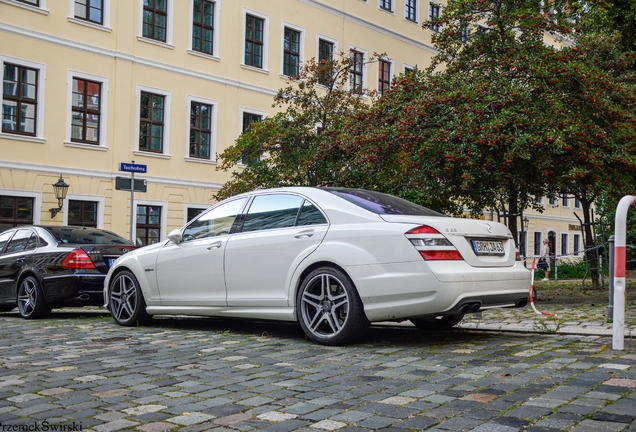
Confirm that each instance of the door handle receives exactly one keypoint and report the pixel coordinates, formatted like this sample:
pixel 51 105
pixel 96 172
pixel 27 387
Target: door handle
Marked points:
pixel 20 260
pixel 215 245
pixel 305 233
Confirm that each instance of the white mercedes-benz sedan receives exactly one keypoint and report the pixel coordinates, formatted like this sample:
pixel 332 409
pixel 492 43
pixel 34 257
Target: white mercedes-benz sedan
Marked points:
pixel 333 259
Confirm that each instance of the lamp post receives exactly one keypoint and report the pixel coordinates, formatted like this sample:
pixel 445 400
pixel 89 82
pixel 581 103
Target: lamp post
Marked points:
pixel 524 235
pixel 60 189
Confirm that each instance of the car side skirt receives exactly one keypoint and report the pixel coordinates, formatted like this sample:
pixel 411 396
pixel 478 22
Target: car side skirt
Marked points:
pixel 275 313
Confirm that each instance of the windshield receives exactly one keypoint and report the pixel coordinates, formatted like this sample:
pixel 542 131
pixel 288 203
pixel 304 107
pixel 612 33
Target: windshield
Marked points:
pixel 82 235
pixel 381 203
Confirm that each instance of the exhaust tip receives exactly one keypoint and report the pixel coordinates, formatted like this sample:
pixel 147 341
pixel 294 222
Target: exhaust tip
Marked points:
pixel 475 307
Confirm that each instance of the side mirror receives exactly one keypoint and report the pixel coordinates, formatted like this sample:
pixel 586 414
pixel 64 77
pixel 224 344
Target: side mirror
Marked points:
pixel 175 236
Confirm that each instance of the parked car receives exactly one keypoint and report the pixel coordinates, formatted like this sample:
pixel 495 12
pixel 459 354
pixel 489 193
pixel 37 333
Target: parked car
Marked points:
pixel 45 267
pixel 332 259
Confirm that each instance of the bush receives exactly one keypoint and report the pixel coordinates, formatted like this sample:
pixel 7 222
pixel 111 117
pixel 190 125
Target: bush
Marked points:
pixel 568 270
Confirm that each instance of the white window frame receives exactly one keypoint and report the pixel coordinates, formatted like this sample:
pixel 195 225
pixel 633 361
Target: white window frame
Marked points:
pixel 186 206
pixel 215 43
pixel 565 245
pixel 539 200
pixel 103 109
pixel 105 26
pixel 365 71
pixel 406 66
pixel 37 201
pixel 265 18
pixel 169 25
pixel 576 244
pixel 565 201
pixel 553 202
pixel 215 109
pixel 534 242
pixel 164 216
pixel 40 9
pixel 39 120
pixel 392 10
pixel 392 74
pixel 243 110
pixel 577 203
pixel 166 121
pixel 418 7
pixel 428 18
pixel 319 36
pixel 100 200
pixel 301 48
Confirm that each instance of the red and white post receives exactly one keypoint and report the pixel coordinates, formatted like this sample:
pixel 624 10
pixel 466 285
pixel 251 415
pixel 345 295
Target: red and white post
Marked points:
pixel 620 243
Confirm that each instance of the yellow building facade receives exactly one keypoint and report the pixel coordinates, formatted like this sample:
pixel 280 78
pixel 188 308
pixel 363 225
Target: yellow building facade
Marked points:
pixel 168 84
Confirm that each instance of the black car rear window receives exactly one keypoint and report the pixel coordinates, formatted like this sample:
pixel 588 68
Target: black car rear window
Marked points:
pixel 80 235
pixel 381 203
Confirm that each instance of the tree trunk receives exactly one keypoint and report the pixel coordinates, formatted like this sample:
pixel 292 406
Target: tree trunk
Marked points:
pixel 590 241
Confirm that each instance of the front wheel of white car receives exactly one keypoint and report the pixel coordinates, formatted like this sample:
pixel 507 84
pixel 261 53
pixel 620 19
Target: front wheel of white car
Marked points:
pixel 329 308
pixel 126 300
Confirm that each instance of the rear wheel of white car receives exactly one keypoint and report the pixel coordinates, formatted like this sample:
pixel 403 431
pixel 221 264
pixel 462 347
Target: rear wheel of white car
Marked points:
pixel 126 300
pixel 437 323
pixel 329 308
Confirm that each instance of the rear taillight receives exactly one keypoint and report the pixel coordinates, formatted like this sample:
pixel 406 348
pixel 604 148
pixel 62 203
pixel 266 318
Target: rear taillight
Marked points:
pixel 432 245
pixel 517 256
pixel 78 259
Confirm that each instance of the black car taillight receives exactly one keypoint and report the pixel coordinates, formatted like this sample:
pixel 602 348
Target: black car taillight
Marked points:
pixel 78 259
pixel 432 245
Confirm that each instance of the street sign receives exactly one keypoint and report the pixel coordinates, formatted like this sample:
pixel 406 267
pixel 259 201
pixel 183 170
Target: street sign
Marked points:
pixel 132 167
pixel 123 183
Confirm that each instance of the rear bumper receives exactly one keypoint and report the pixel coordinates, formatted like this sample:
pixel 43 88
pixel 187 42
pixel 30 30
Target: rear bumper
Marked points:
pixel 420 288
pixel 74 290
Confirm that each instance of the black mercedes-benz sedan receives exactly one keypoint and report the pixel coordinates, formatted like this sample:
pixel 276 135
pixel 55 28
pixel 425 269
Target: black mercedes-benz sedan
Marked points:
pixel 45 267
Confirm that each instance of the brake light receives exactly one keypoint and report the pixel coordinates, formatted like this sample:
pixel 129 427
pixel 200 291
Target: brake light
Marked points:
pixel 423 229
pixel 78 259
pixel 441 255
pixel 517 256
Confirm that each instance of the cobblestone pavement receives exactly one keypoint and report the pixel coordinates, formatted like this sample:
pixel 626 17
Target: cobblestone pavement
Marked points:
pixel 79 370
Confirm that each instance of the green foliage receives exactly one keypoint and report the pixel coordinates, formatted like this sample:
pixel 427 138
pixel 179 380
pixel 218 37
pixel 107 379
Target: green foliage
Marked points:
pixel 567 270
pixel 608 17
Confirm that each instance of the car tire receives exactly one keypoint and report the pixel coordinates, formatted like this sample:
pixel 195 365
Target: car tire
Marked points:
pixel 329 308
pixel 126 301
pixel 31 301
pixel 437 323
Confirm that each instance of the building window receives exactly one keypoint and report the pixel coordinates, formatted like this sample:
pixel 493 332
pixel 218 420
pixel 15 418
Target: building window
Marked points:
pixel 537 244
pixel 192 212
pixel 82 213
pixel 151 122
pixel 384 76
pixel 85 111
pixel 19 99
pixel 566 200
pixel 464 31
pixel 576 244
pixel 410 10
pixel 31 2
pixel 552 201
pixel 248 119
pixel 155 19
pixel 356 73
pixel 386 5
pixel 203 26
pixel 291 52
pixel 433 14
pixel 254 38
pixel 200 130
pixel 564 244
pixel 577 202
pixel 148 224
pixel 325 58
pixel 15 211
pixel 90 10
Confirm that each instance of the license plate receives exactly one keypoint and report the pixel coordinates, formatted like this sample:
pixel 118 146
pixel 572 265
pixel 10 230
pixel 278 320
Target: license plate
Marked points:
pixel 111 261
pixel 488 247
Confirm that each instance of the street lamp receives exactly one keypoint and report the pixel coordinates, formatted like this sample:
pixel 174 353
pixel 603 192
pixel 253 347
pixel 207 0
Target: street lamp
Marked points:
pixel 60 188
pixel 524 234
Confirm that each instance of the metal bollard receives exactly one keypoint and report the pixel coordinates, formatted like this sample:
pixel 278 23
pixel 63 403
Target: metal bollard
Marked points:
pixel 610 307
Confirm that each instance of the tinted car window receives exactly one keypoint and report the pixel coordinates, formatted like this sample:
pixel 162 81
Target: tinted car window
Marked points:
pixel 217 221
pixel 381 203
pixel 272 211
pixel 4 237
pixel 19 241
pixel 82 235
pixel 310 215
